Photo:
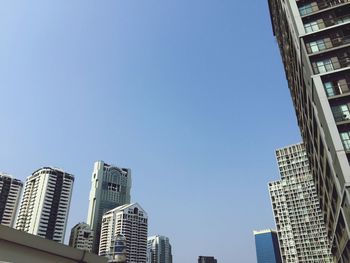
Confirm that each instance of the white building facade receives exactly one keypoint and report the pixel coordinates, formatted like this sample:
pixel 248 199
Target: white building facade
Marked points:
pixel 45 204
pixel 10 194
pixel 110 188
pixel 131 221
pixel 300 226
pixel 159 250
pixel 81 237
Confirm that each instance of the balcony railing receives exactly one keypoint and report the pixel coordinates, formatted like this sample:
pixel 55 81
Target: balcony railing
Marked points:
pixel 327 43
pixel 325 22
pixel 314 7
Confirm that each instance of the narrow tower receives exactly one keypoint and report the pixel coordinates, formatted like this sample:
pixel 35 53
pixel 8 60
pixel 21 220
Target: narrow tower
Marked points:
pixel 110 188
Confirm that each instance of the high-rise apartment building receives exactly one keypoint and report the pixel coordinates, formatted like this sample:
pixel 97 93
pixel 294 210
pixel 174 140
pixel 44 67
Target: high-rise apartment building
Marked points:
pixel 205 259
pixel 10 194
pixel 131 221
pixel 81 237
pixel 110 188
pixel 45 203
pixel 314 36
pixel 301 231
pixel 159 250
pixel 267 247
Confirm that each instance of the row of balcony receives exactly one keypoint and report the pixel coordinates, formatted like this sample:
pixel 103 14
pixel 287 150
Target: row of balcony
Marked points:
pixel 315 6
pixel 327 43
pixel 334 62
pixel 322 23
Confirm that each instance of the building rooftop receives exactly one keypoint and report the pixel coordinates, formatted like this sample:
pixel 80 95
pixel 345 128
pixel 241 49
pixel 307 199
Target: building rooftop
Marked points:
pixel 18 246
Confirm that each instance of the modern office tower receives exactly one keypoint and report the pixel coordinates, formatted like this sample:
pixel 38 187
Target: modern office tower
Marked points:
pixel 159 250
pixel 45 203
pixel 314 37
pixel 81 237
pixel 110 188
pixel 10 192
pixel 203 259
pixel 130 221
pixel 267 247
pixel 300 226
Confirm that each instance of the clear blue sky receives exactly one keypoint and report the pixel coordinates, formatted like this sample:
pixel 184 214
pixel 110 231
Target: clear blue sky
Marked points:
pixel 190 94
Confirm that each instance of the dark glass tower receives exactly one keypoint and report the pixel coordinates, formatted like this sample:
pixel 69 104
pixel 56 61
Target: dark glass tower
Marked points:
pixel 267 248
pixel 203 259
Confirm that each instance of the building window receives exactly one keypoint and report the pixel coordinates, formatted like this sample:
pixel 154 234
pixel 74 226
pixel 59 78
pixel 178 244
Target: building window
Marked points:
pixel 324 66
pixel 341 113
pixel 113 187
pixel 311 27
pixel 329 89
pixel 345 137
pixel 306 9
pixel 317 46
pixel 343 19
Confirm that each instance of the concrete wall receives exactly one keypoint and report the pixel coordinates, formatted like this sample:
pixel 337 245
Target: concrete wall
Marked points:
pixel 19 247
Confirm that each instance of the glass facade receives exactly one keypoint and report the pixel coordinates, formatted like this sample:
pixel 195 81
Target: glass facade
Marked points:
pixel 267 248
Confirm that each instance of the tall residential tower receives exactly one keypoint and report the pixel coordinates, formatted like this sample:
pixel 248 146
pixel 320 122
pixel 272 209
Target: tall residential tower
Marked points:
pixel 45 203
pixel 130 221
pixel 110 188
pixel 313 37
pixel 10 194
pixel 301 231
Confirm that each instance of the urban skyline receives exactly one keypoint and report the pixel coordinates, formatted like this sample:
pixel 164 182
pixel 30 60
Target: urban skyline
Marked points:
pixel 164 93
pixel 43 210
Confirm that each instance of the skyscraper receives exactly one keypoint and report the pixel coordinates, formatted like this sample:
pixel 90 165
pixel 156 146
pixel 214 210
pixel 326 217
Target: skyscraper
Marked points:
pixel 313 37
pixel 204 259
pixel 10 193
pixel 131 221
pixel 45 204
pixel 159 250
pixel 301 231
pixel 267 248
pixel 110 188
pixel 81 237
